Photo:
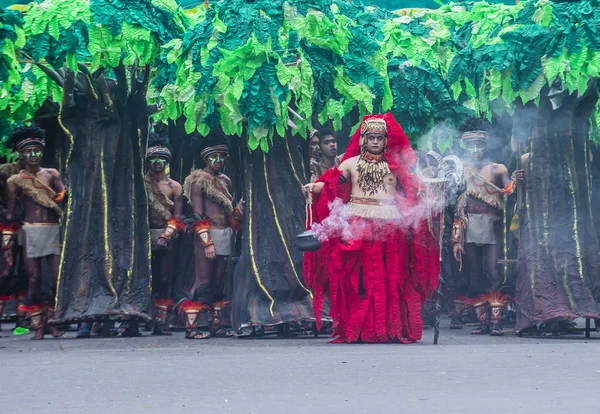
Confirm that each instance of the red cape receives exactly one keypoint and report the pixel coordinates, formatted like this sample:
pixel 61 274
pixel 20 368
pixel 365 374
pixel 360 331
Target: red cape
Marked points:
pixel 378 301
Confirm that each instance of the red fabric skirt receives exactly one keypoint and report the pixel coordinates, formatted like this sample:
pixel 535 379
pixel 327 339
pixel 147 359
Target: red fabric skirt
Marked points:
pixel 374 300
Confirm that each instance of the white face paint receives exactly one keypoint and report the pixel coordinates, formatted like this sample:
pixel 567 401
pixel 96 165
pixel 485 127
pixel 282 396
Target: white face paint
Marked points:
pixel 476 149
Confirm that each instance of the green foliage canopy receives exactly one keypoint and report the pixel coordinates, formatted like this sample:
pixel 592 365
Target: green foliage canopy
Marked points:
pixel 248 67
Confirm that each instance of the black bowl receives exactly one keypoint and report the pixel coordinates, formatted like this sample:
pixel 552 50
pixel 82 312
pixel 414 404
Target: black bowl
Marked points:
pixel 308 241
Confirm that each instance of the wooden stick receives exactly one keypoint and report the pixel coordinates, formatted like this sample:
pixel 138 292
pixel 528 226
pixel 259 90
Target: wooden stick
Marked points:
pixel 296 63
pixel 295 114
pixel 291 124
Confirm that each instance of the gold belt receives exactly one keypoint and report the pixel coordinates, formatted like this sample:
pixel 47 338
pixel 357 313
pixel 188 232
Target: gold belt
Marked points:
pixel 369 201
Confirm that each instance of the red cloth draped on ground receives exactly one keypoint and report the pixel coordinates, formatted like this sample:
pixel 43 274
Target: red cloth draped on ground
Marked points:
pixel 378 281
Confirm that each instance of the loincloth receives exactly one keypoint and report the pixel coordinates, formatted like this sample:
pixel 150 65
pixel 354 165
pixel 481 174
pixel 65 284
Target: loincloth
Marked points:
pixel 41 239
pixel 154 236
pixel 222 240
pixel 374 208
pixel 481 229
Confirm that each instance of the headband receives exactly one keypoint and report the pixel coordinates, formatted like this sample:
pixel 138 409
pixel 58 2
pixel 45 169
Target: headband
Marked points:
pixel 212 150
pixel 475 136
pixel 158 151
pixel 30 142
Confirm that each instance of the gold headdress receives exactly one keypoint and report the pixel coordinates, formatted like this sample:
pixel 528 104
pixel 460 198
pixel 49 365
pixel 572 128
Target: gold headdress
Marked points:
pixel 372 168
pixel 371 125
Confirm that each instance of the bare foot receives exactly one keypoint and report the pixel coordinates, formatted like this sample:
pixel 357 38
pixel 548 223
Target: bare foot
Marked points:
pixel 50 329
pixel 38 335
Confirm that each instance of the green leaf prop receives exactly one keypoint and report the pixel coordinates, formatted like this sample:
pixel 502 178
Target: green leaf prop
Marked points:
pixel 247 66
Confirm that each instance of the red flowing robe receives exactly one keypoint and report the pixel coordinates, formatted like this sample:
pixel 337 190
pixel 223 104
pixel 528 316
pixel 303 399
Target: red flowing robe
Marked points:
pixel 379 281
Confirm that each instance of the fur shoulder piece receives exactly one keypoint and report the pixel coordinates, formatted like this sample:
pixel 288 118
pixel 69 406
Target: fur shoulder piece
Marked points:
pixel 158 202
pixel 8 170
pixel 214 188
pixel 36 190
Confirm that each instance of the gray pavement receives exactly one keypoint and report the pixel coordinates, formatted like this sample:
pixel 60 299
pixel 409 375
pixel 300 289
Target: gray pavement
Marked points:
pixel 463 374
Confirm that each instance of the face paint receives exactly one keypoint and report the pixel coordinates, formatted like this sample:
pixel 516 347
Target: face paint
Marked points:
pixel 216 158
pixel 476 149
pixel 32 152
pixel 157 163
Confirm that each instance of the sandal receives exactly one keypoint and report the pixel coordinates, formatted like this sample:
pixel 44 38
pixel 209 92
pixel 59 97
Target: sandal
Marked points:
pixel 159 330
pixel 194 334
pixel 482 329
pixel 496 330
pixel 223 333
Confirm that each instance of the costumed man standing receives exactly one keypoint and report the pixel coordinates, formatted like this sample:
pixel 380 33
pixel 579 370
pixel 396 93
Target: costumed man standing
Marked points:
pixel 38 191
pixel 329 154
pixel 378 270
pixel 209 193
pixel 477 230
pixel 9 253
pixel 165 208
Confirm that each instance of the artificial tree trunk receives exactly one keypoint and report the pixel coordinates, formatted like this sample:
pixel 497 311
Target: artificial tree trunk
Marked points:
pixel 558 269
pixel 105 265
pixel 268 284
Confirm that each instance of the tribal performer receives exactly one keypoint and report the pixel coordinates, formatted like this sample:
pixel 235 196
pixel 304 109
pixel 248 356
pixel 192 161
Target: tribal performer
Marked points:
pixel 39 192
pixel 329 154
pixel 209 193
pixel 165 208
pixel 379 271
pixel 9 279
pixel 477 229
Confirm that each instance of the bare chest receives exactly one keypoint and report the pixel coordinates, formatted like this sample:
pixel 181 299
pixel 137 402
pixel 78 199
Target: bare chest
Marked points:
pixel 166 187
pixel 488 173
pixel 45 177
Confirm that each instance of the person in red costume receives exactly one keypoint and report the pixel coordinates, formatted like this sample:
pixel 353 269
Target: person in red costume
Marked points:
pixel 380 270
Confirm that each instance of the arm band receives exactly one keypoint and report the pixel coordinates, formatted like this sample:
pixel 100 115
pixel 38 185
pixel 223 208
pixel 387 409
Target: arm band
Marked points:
pixel 174 226
pixel 202 229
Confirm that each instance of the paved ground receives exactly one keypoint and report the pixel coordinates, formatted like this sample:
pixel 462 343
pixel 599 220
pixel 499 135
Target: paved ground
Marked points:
pixel 463 374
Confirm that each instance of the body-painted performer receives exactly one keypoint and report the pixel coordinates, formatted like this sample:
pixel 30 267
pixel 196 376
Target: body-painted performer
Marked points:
pixel 329 154
pixel 9 253
pixel 39 191
pixel 165 208
pixel 477 230
pixel 209 193
pixel 379 272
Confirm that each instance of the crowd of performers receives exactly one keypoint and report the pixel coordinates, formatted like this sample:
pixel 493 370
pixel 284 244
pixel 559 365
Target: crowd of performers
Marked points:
pixel 31 243
pixel 379 260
